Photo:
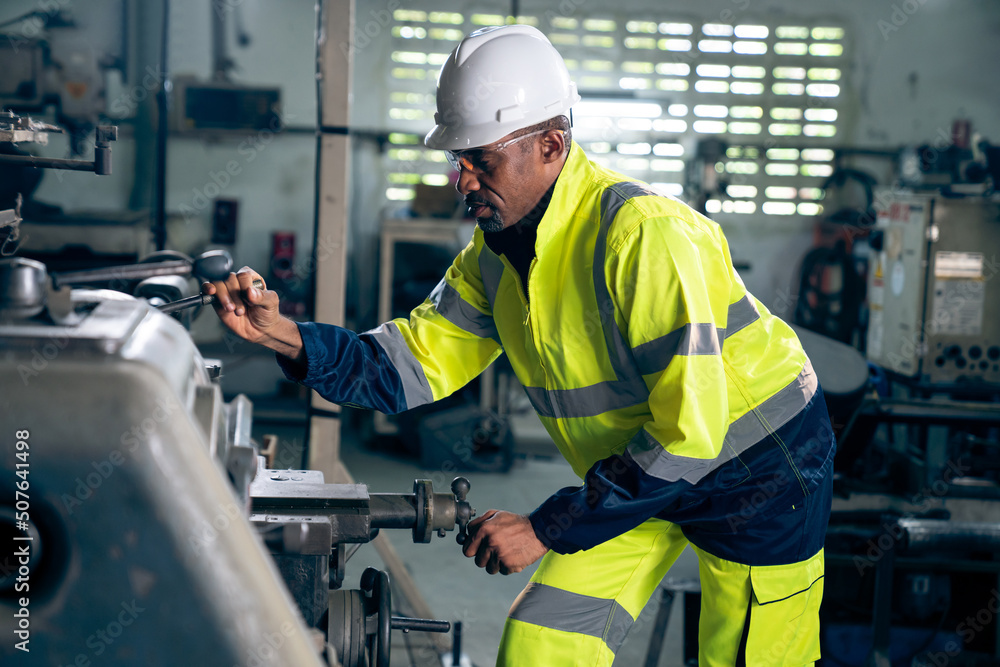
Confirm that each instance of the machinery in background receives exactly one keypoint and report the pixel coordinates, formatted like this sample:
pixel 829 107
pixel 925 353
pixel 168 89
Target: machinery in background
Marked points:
pixel 913 549
pixel 913 543
pixel 22 129
pixel 47 62
pixel 831 295
pixel 142 511
pixel 46 232
pixel 956 159
pixel 78 69
pixel 10 228
pixel 904 590
pixel 934 332
pixel 935 306
pixel 703 180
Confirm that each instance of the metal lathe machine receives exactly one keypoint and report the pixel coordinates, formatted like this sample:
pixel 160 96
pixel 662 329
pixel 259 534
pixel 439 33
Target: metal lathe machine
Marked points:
pixel 131 495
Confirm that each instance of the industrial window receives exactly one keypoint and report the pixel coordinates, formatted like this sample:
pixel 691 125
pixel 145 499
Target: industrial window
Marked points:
pixel 652 87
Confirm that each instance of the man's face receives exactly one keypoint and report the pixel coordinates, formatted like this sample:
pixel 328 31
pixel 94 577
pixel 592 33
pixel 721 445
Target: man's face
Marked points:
pixel 499 181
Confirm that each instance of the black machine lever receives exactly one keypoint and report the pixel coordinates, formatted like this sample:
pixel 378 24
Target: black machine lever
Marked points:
pixel 419 624
pixel 198 300
pixel 463 511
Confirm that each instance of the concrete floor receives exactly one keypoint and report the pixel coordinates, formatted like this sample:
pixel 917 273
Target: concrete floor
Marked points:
pixel 454 587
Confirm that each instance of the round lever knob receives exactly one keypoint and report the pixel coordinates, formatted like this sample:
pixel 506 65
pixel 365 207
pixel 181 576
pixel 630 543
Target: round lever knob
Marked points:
pixel 213 265
pixel 460 487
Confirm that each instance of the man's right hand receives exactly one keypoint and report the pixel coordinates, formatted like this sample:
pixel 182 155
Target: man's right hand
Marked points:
pixel 251 314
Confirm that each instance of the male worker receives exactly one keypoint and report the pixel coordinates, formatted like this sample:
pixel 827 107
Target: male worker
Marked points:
pixel 690 412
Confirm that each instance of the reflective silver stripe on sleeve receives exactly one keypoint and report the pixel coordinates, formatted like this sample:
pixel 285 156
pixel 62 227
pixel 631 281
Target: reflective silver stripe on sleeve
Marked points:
pixel 554 608
pixel 461 313
pixel 586 401
pixel 618 349
pixel 688 340
pixel 416 389
pixel 743 433
pixel 491 269
pixel 741 314
pixel 654 356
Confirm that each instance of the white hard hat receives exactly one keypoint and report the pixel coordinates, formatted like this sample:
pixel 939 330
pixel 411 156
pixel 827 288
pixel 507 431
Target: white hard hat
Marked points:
pixel 498 80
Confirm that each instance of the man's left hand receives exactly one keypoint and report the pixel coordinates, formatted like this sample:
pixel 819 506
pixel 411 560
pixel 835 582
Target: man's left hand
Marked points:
pixel 503 542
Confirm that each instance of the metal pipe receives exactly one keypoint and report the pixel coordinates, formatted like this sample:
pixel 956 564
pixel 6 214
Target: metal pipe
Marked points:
pixel 49 162
pixel 456 645
pixel 196 300
pixel 882 610
pixel 934 535
pixel 144 57
pixel 221 64
pixel 162 126
pixel 392 510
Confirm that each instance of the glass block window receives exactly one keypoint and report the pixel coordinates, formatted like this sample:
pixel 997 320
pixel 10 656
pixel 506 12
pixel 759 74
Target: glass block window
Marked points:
pixel 652 86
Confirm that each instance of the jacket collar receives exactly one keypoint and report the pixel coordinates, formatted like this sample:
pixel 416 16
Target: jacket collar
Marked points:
pixel 568 195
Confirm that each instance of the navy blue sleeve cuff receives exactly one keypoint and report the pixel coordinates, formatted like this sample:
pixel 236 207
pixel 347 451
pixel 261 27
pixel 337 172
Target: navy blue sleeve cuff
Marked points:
pixel 293 370
pixel 314 352
pixel 346 368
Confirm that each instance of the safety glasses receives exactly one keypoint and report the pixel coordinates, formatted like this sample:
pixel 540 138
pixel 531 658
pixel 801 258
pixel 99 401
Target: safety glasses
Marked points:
pixel 475 159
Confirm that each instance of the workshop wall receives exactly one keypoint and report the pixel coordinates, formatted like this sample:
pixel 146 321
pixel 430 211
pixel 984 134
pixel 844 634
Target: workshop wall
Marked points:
pixel 916 65
pixel 272 175
pixel 99 31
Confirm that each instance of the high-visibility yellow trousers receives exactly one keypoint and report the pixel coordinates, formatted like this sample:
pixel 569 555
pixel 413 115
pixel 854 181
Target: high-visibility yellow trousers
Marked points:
pixel 578 608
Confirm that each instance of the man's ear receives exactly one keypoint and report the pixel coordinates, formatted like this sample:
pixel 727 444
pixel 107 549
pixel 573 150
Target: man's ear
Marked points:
pixel 553 146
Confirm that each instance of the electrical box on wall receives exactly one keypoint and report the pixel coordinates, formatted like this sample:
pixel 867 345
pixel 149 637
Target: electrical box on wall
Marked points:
pixel 933 289
pixel 225 215
pixel 220 106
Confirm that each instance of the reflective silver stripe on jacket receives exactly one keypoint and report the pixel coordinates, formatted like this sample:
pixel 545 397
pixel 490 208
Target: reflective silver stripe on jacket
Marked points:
pixel 688 340
pixel 628 388
pixel 450 304
pixel 654 356
pixel 743 433
pixel 491 269
pixel 741 314
pixel 557 609
pixel 629 365
pixel 416 389
pixel 618 348
pixel 586 401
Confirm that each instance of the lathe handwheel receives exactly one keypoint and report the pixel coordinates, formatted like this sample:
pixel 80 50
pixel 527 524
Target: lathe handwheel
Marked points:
pixel 375 585
pixel 347 622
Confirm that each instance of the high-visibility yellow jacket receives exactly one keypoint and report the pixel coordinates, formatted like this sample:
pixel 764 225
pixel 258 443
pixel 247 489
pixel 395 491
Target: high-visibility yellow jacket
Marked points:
pixel 666 385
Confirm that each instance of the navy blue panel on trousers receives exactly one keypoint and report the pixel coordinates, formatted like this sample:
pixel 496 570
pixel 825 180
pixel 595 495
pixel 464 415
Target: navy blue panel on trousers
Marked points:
pixel 742 511
pixel 780 514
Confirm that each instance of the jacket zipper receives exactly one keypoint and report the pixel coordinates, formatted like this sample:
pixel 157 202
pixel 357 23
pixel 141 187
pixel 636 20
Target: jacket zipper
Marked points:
pixel 526 306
